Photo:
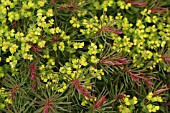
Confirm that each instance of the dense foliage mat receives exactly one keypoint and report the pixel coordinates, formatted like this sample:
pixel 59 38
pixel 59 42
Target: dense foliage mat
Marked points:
pixel 84 56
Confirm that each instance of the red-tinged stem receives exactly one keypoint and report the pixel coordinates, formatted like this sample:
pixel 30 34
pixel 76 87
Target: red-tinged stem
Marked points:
pixel 138 3
pixel 100 30
pixel 147 79
pixel 55 39
pixel 33 70
pixel 34 85
pixel 135 77
pixel 72 6
pixel 161 90
pixel 109 30
pixel 166 58
pixel 141 3
pixel 35 47
pixel 112 31
pixel 100 102
pixel 120 96
pixel 14 90
pixel 46 109
pixel 14 23
pixel 159 10
pixel 53 3
pixel 116 62
pixel 113 63
pixel 81 89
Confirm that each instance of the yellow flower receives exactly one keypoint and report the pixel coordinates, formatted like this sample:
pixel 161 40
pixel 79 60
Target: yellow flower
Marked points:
pixel 41 44
pixel 99 77
pixel 84 102
pixel 149 107
pixel 39 12
pixel 135 100
pixel 13 48
pixel 157 107
pixel 64 86
pixel 5 46
pixel 57 30
pixel 49 13
pixel 2 105
pixel 75 45
pixel 8 101
pixel 94 59
pixel 149 96
pixel 83 62
pixel 61 46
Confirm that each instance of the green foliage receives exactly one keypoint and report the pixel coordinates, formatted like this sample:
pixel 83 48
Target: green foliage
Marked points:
pixel 90 56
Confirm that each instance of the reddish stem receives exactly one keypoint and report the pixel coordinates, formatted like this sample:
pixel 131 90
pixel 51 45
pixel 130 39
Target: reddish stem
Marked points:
pixel 14 90
pixel 120 96
pixel 33 70
pixel 166 58
pixel 159 10
pixel 141 3
pixel 81 89
pixel 117 62
pixel 13 24
pixel 46 109
pixel 110 30
pixel 53 3
pixel 55 39
pixel 135 77
pixel 100 102
pixel 35 47
pixel 72 6
pixel 34 85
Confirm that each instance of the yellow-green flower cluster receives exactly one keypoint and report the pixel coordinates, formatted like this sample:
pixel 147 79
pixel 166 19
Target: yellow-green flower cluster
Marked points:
pixel 126 25
pixel 128 105
pixel 68 72
pixel 128 101
pixel 48 76
pixel 145 12
pixel 142 41
pixel 91 26
pixel 4 98
pixel 106 3
pixel 81 13
pixel 92 49
pixel 97 73
pixel 152 98
pixel 77 63
pixel 61 46
pixel 3 13
pixel 75 22
pixel 5 45
pixel 94 59
pixel 123 5
pixel 152 108
pixel 63 87
pixel 123 44
pixel 13 16
pixel 74 69
pixel 77 45
pixel 64 36
pixel 86 101
pixel 124 109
